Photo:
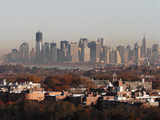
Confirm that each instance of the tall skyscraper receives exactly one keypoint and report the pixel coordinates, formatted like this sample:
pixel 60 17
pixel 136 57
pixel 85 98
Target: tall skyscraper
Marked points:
pixel 74 52
pixel 46 49
pixel 121 50
pixel 129 52
pixel 100 42
pixel 39 44
pixel 84 53
pixel 65 47
pixel 32 55
pixel 95 51
pixel 118 57
pixel 125 56
pixel 113 56
pixel 137 53
pixel 53 52
pixel 46 52
pixel 143 48
pixel 106 55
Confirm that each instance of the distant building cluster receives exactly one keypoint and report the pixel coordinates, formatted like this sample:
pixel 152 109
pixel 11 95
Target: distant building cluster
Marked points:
pixel 84 51
pixel 15 87
pixel 113 91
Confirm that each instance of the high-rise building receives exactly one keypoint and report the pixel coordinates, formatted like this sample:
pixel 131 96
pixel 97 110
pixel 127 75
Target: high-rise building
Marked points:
pixel 65 47
pixel 143 48
pixel 39 44
pixel 83 42
pixel 130 53
pixel 112 56
pixel 60 54
pixel 14 56
pixel 106 55
pixel 46 49
pixel 74 52
pixel 95 51
pixel 149 52
pixel 155 54
pixel 53 52
pixel 121 50
pixel 100 41
pixel 126 56
pixel 118 57
pixel 32 55
pixel 155 48
pixel 137 53
pixel 84 53
pixel 46 52
pixel 24 51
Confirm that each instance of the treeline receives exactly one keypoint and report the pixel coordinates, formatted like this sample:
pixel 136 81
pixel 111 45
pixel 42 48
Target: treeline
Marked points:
pixel 63 110
pixel 66 81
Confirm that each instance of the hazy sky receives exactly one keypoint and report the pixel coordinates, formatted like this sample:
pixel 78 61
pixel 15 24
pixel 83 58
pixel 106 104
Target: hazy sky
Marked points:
pixel 118 21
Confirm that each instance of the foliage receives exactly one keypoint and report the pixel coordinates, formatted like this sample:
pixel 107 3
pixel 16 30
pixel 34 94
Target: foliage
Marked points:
pixel 48 110
pixel 65 81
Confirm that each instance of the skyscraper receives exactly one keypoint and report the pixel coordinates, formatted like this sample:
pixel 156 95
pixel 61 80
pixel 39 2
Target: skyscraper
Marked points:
pixel 143 48
pixel 149 52
pixel 101 41
pixel 39 44
pixel 118 57
pixel 53 52
pixel 155 54
pixel 112 56
pixel 106 54
pixel 130 51
pixel 24 50
pixel 155 48
pixel 121 50
pixel 46 52
pixel 84 53
pixel 32 55
pixel 125 56
pixel 95 51
pixel 74 52
pixel 137 53
pixel 65 47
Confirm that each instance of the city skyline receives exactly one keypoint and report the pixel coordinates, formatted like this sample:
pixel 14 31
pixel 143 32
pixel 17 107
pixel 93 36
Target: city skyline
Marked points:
pixel 111 43
pixel 84 51
pixel 116 21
